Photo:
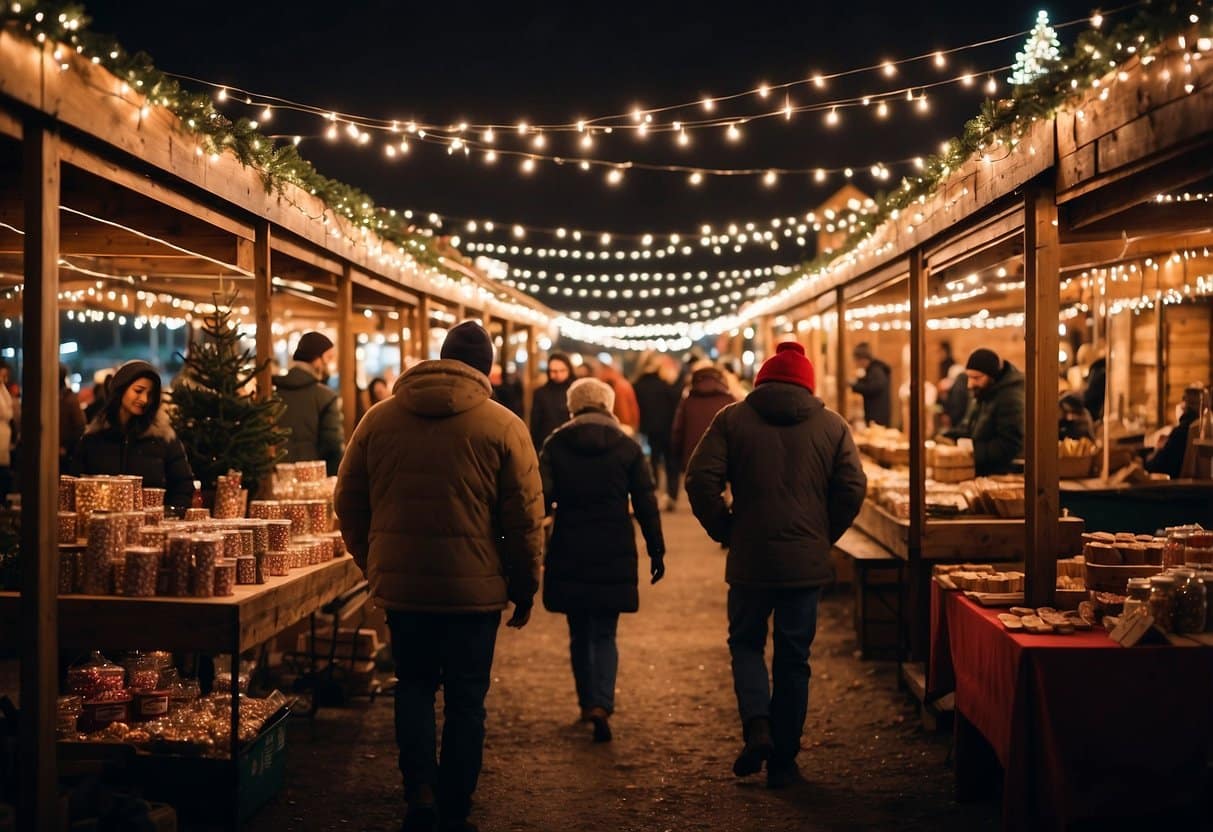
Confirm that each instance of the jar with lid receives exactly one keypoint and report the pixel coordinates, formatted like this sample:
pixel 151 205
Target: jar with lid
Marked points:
pixel 1191 602
pixel 1176 546
pixel 96 678
pixel 1162 601
pixel 68 710
pixel 1137 596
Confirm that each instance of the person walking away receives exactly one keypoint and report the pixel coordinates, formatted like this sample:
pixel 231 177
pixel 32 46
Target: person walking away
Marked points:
pixel 439 502
pixel 506 392
pixel 548 407
pixel 658 400
pixel 313 409
pixel 8 416
pixel 706 396
pixel 627 410
pixel 995 419
pixel 873 384
pixel 131 434
pixel 71 421
pixel 590 470
pixel 797 485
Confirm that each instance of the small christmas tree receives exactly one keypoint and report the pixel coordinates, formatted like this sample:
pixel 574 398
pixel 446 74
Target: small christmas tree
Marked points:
pixel 215 413
pixel 1040 52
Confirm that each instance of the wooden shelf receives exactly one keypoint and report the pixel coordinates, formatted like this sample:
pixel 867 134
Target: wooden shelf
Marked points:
pixel 963 538
pixel 255 613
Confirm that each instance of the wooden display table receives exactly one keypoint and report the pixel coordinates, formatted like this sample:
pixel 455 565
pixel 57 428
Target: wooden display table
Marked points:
pixel 231 624
pixel 963 538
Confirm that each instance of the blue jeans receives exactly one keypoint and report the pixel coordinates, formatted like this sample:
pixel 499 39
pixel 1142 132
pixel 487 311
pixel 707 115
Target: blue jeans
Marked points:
pixel 795 613
pixel 456 651
pixel 595 658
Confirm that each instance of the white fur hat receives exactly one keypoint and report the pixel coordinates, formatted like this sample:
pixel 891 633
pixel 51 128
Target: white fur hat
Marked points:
pixel 590 393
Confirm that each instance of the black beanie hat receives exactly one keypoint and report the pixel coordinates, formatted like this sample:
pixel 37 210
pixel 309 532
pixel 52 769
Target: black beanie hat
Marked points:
pixel 312 346
pixel 985 361
pixel 470 344
pixel 128 373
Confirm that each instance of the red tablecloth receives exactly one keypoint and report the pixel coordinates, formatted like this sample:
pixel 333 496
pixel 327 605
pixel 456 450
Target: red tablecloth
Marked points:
pixel 1083 728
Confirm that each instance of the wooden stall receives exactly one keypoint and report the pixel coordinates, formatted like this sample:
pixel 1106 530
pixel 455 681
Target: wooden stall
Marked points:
pixel 112 207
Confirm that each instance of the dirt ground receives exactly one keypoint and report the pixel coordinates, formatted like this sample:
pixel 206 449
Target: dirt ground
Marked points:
pixel 866 761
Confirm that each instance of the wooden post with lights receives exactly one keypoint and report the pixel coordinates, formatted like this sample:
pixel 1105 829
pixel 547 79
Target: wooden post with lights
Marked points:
pixel 347 359
pixel 531 379
pixel 1042 266
pixel 920 571
pixel 840 335
pixel 40 172
pixel 404 326
pixel 263 294
pixel 507 332
pixel 421 330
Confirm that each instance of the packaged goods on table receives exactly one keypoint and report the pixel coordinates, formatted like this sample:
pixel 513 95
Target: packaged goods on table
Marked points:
pixel 246 542
pixel 153 497
pixel 299 515
pixel 225 577
pixel 279 534
pixel 265 509
pixel 196 514
pixel 1191 602
pixel 180 563
pixel 67 493
pixel 96 677
pixel 70 556
pixel 231 543
pixel 67 527
pixel 229 496
pixel 261 535
pixel 208 548
pixel 153 536
pixel 153 515
pixel 277 562
pixel 141 571
pixel 950 463
pixel 246 569
pixel 68 709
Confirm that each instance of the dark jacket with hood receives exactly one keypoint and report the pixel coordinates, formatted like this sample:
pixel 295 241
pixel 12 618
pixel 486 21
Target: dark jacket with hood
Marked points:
pixel 1169 458
pixel 708 395
pixel 313 414
pixel 155 453
pixel 658 403
pixel 590 470
pixel 1097 385
pixel 995 423
pixel 549 408
pixel 874 387
pixel 439 496
pixel 797 485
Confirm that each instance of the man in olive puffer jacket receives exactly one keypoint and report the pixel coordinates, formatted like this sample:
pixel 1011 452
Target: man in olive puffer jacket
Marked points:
pixel 797 485
pixel 440 503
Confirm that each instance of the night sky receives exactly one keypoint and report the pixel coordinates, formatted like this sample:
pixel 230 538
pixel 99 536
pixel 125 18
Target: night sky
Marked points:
pixel 447 62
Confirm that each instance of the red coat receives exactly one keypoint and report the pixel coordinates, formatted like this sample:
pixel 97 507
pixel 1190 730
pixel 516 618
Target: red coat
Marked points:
pixel 708 395
pixel 627 409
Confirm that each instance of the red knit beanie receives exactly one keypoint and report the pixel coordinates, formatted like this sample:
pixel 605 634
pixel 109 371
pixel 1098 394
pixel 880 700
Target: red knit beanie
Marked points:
pixel 789 365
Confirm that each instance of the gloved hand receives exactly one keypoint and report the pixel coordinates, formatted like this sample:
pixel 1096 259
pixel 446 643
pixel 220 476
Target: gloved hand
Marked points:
pixel 522 614
pixel 657 567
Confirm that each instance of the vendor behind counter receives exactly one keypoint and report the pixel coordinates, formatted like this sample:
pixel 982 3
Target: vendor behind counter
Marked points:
pixel 995 418
pixel 131 435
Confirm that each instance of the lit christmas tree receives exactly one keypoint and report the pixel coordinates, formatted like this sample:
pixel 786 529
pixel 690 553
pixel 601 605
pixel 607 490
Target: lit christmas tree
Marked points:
pixel 1040 53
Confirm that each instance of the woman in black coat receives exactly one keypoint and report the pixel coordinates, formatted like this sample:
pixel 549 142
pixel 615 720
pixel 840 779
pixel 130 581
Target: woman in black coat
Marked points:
pixel 548 407
pixel 131 435
pixel 590 469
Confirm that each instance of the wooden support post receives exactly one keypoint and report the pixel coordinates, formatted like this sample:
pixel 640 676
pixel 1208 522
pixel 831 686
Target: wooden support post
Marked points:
pixel 262 308
pixel 1042 261
pixel 421 333
pixel 920 587
pixel 404 325
pixel 347 358
pixel 1160 357
pixel 507 332
pixel 531 379
pixel 840 335
pixel 39 801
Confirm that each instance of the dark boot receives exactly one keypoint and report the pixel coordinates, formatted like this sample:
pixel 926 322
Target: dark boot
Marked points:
pixel 602 724
pixel 781 774
pixel 464 825
pixel 758 747
pixel 419 819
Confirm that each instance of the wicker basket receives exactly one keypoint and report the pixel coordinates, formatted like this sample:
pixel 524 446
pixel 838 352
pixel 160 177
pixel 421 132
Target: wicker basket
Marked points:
pixel 1076 467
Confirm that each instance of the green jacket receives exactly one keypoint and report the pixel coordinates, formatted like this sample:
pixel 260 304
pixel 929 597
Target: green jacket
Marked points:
pixel 313 414
pixel 995 423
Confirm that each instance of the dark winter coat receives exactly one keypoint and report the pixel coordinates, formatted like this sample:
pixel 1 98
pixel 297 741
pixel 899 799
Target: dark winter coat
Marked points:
pixel 549 410
pixel 658 403
pixel 590 469
pixel 439 496
pixel 1169 459
pixel 708 395
pixel 1097 385
pixel 874 387
pixel 995 423
pixel 797 485
pixel 157 455
pixel 956 402
pixel 313 414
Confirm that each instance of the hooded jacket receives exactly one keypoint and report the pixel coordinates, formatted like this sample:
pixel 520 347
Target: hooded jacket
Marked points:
pixel 156 454
pixel 590 469
pixel 708 393
pixel 995 423
pixel 874 387
pixel 313 414
pixel 797 485
pixel 439 496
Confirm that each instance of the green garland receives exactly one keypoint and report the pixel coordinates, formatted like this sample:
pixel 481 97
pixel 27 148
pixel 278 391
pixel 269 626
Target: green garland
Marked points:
pixel 278 163
pixel 1094 54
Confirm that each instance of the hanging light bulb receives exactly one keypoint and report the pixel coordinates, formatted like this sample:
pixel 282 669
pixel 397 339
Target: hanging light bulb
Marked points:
pixel 966 79
pixel 615 176
pixel 489 136
pixel 832 117
pixel 991 85
pixel 882 109
pixel 519 231
pixel 539 142
pixel 922 103
pixel 605 239
pixel 683 138
pixel 819 175
pixel 696 178
pixel 940 60
pixel 763 91
pixel 888 69
pixel 770 178
pixel 490 156
pixel 222 94
pixel 587 141
pixel 267 113
pixel 528 165
pixel 522 128
pixel 819 81
pixel 331 133
pixel 708 104
pixel 733 133
pixel 390 150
